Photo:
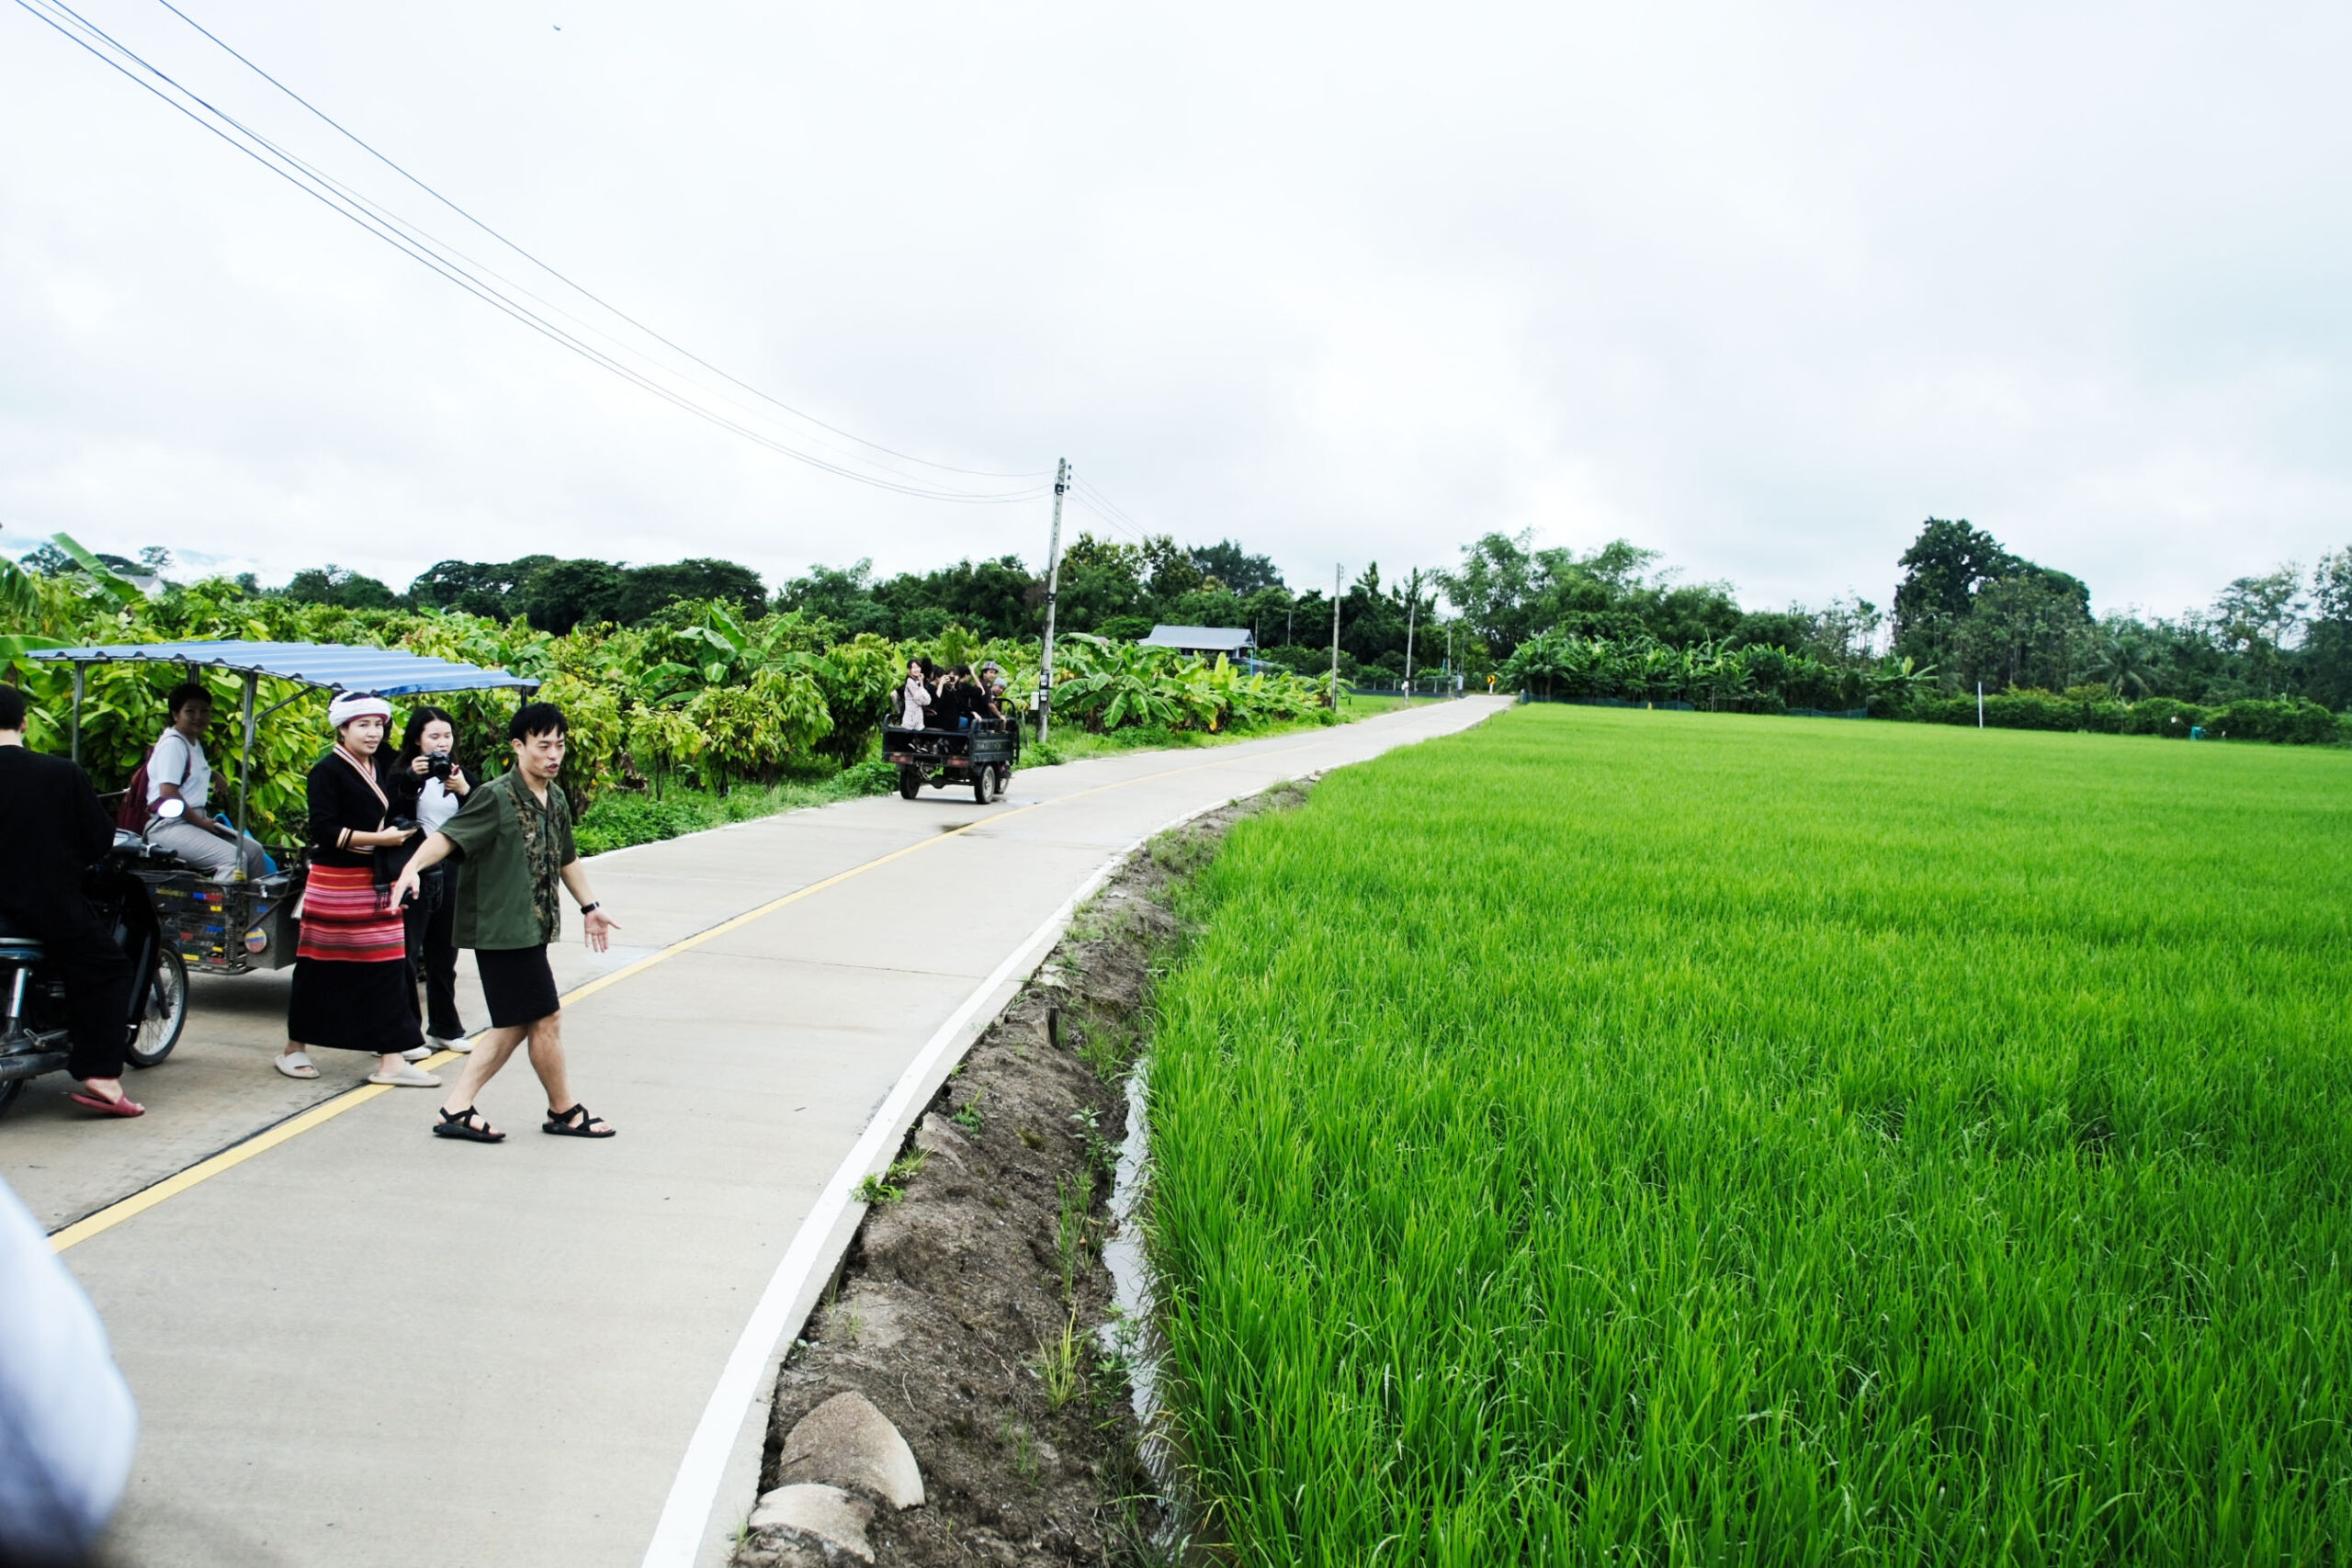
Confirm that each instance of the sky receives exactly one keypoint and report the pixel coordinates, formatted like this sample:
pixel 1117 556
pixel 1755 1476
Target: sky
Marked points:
pixel 1760 287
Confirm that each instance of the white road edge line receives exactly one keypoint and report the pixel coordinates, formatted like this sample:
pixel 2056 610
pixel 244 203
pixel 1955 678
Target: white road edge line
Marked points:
pixel 685 1513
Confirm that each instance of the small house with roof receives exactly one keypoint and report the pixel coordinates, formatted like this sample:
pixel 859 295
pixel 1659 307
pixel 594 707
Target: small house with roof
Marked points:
pixel 1205 642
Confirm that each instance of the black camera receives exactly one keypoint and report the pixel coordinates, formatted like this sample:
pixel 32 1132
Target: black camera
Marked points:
pixel 437 763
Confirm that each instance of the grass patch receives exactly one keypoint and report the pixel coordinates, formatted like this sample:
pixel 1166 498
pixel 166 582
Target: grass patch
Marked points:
pixel 622 818
pixel 1692 1139
pixel 1072 744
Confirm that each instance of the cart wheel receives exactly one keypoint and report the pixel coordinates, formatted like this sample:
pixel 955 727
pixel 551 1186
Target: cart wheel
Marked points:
pixel 159 1031
pixel 980 786
pixel 910 784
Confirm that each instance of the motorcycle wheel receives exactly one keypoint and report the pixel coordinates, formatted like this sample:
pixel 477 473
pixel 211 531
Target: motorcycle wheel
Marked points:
pixel 159 1031
pixel 8 1092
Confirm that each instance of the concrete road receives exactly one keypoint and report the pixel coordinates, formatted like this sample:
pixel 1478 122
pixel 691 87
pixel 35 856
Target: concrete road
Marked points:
pixel 363 1345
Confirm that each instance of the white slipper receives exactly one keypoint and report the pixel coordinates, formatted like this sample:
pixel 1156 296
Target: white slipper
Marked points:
pixel 416 1053
pixel 461 1044
pixel 295 1065
pixel 407 1077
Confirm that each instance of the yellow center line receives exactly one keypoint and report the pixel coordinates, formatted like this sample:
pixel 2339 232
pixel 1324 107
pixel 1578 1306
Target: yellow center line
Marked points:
pixel 260 1142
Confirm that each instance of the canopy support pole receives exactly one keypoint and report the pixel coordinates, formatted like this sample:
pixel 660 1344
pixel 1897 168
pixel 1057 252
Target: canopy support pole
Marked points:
pixel 77 713
pixel 245 760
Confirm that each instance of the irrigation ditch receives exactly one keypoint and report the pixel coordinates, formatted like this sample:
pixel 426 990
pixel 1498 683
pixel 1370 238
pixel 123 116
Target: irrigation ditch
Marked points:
pixel 975 1312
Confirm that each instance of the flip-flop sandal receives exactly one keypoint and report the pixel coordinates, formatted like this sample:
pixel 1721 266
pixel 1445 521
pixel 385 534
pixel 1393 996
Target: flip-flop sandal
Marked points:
pixel 126 1106
pixel 577 1123
pixel 467 1123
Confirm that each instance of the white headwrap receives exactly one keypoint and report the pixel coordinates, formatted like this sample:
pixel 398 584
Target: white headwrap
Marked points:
pixel 348 706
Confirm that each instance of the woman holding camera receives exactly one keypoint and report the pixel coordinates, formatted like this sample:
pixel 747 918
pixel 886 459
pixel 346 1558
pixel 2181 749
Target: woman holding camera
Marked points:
pixel 351 978
pixel 432 784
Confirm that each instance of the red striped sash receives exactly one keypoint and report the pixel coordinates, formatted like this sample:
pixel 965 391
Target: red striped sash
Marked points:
pixel 345 919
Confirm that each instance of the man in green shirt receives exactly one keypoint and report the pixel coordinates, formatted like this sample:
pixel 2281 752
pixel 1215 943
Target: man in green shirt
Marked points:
pixel 513 840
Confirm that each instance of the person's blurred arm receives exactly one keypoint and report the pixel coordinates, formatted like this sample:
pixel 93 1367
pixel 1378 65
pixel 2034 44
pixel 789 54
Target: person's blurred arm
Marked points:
pixel 67 1423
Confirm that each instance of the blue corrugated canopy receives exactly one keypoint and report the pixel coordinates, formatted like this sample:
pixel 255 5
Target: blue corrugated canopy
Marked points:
pixel 337 667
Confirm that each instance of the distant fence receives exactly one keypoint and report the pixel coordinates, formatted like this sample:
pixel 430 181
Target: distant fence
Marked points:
pixel 1677 706
pixel 1435 687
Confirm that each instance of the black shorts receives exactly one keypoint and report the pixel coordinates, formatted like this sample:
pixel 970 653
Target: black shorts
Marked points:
pixel 517 985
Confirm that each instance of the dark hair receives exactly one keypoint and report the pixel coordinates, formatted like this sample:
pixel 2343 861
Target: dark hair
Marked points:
pixel 186 691
pixel 12 707
pixel 537 718
pixel 413 738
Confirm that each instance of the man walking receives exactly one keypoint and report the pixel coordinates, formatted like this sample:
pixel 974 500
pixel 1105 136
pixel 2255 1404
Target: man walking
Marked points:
pixel 54 830
pixel 513 840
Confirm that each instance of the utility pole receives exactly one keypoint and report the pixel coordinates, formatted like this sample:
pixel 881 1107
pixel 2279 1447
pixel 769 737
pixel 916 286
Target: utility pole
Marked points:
pixel 1412 604
pixel 1334 637
pixel 1052 591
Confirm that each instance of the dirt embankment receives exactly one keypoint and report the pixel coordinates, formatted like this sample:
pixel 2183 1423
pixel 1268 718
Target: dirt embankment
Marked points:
pixel 972 1307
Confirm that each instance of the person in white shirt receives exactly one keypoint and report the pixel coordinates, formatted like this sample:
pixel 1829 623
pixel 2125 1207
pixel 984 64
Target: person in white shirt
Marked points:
pixel 178 770
pixel 434 784
pixel 915 695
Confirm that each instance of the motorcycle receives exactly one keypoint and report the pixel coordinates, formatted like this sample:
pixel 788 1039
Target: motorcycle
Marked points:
pixel 32 996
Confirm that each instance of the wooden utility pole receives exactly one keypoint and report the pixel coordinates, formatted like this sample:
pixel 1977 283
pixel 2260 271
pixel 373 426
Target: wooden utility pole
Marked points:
pixel 1052 591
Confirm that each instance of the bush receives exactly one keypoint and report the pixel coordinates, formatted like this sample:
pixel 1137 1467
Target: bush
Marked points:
pixel 2286 721
pixel 2162 716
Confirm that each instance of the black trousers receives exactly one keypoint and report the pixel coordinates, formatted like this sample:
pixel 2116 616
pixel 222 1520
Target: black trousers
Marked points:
pixel 98 989
pixel 433 955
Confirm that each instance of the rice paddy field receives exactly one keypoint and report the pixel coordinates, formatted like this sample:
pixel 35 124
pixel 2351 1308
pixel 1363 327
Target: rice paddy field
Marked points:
pixel 1655 1138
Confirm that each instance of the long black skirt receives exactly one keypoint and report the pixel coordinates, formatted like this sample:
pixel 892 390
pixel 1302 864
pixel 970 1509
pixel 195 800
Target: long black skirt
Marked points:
pixel 342 1005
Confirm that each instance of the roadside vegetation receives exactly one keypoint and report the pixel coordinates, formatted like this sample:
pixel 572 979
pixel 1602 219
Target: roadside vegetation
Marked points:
pixel 699 714
pixel 1662 1139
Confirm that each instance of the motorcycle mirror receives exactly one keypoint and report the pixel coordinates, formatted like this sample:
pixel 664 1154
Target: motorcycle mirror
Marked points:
pixel 171 808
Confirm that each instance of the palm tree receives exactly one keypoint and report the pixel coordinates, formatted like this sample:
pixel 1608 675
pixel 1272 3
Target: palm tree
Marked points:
pixel 2123 664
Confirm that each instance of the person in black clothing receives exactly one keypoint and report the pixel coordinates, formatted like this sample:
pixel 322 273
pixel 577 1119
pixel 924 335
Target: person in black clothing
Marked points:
pixel 54 830
pixel 351 986
pixel 428 785
pixel 952 708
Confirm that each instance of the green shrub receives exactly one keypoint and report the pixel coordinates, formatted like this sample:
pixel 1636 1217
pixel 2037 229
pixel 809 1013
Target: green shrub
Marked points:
pixel 2286 721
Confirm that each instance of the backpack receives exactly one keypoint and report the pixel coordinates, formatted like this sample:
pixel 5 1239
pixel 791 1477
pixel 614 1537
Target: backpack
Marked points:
pixel 131 815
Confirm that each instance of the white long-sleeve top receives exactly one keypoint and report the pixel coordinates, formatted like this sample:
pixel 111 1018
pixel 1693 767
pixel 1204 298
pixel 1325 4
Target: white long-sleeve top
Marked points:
pixel 912 699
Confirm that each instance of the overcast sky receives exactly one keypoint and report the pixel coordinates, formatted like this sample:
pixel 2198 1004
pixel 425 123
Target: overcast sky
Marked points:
pixel 1761 288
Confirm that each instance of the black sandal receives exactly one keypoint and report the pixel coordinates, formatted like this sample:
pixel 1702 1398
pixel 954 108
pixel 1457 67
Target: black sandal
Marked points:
pixel 577 1123
pixel 467 1123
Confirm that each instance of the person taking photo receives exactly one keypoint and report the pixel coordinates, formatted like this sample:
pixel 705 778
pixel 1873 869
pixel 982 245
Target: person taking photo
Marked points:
pixel 512 840
pixel 429 785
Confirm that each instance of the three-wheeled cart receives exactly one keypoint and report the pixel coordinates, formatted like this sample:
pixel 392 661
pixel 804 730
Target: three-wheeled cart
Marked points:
pixel 237 926
pixel 983 757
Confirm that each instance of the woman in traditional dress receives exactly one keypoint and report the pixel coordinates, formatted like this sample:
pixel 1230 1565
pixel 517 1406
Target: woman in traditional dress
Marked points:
pixel 351 976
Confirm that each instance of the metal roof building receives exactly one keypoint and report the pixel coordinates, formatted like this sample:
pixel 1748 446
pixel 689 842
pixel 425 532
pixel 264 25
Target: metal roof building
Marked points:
pixel 1234 642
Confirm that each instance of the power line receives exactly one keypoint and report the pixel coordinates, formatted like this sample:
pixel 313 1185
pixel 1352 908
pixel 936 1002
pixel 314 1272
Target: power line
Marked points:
pixel 426 252
pixel 365 146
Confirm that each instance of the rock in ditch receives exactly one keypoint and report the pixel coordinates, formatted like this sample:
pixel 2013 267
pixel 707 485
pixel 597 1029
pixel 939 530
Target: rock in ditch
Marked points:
pixel 847 1443
pixel 792 1519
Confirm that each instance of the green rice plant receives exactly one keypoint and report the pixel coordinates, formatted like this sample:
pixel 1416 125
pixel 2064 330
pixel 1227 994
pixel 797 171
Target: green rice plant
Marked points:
pixel 1653 1138
pixel 1059 1365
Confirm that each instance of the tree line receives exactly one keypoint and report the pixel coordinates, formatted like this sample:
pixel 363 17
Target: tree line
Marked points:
pixel 1965 611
